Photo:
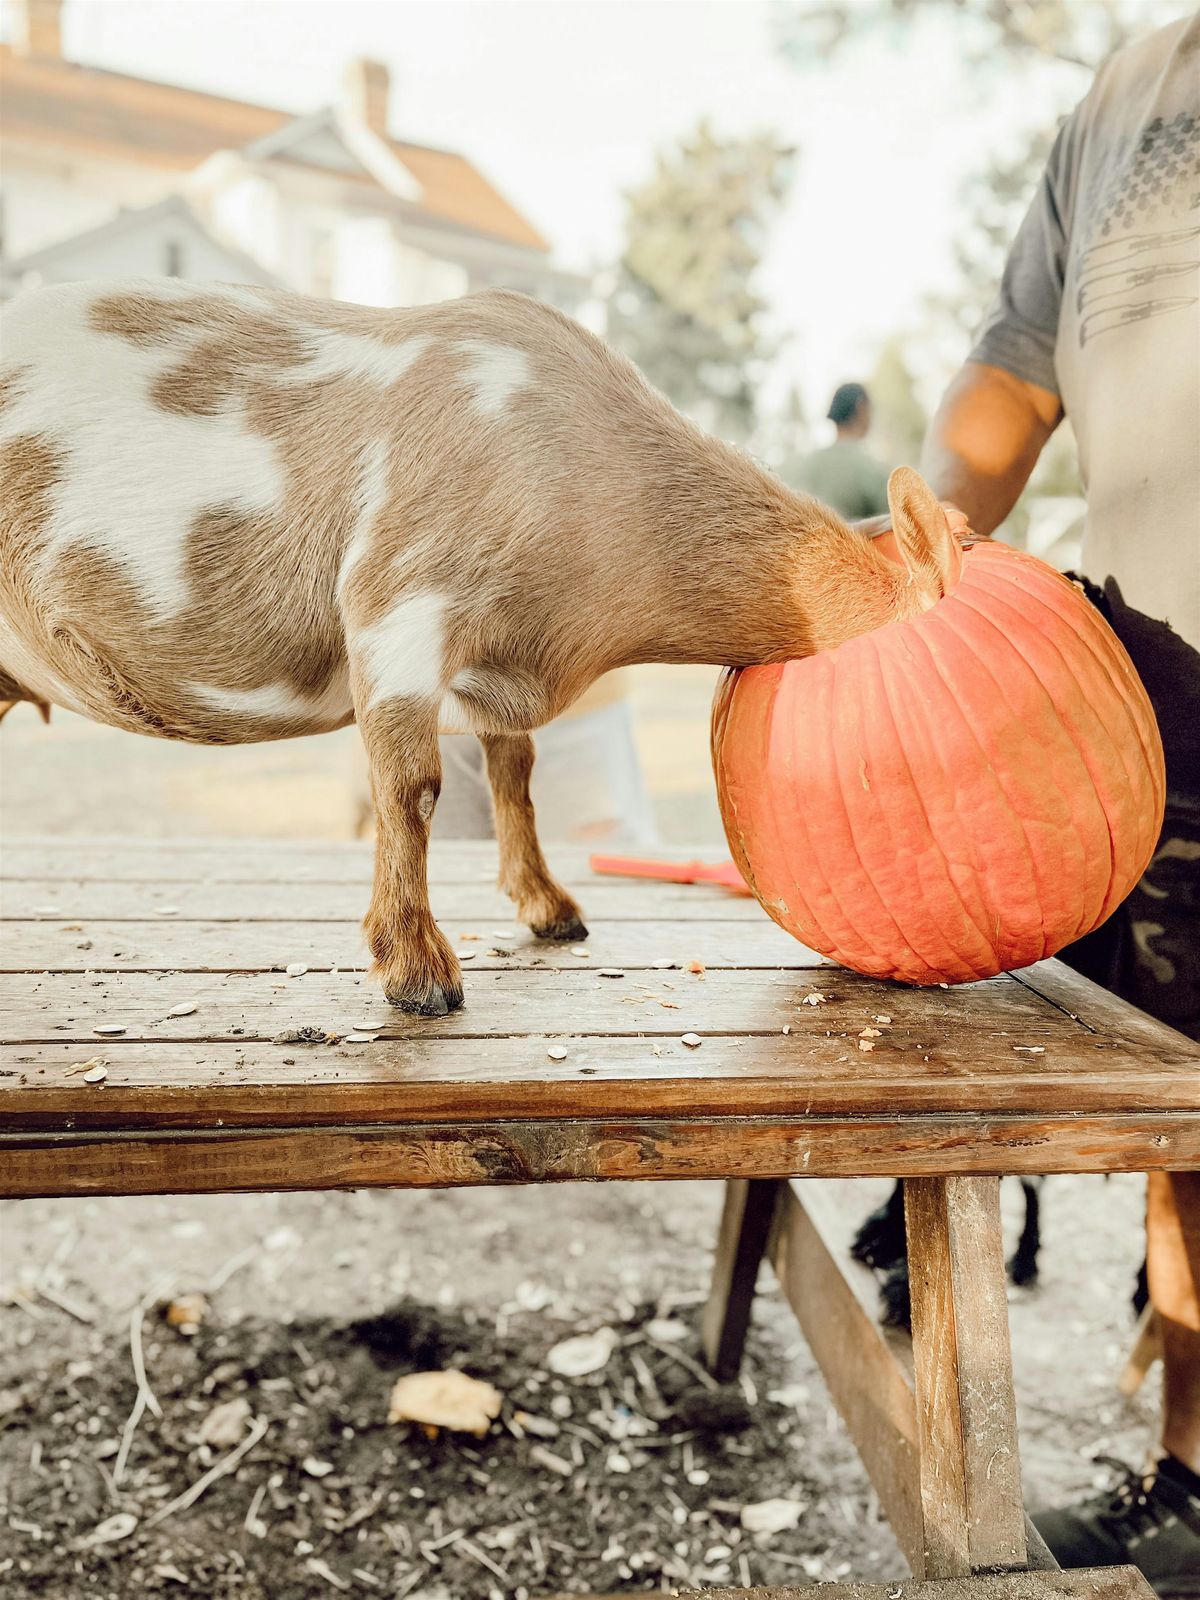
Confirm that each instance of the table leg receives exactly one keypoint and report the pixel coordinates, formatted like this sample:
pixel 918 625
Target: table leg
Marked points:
pixel 750 1209
pixel 966 1410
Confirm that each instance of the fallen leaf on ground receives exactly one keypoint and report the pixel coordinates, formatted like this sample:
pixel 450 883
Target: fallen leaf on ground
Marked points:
pixel 448 1399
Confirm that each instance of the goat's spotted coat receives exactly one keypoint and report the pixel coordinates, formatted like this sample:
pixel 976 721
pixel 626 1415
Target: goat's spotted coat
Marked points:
pixel 236 514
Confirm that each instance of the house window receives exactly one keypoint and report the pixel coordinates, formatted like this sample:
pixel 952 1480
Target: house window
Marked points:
pixel 173 259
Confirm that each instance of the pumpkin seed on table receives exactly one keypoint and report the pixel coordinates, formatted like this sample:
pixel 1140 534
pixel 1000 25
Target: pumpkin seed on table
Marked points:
pixel 96 1074
pixel 295 969
pixel 692 1040
pixel 610 972
pixel 557 1052
pixel 110 1028
pixel 183 1009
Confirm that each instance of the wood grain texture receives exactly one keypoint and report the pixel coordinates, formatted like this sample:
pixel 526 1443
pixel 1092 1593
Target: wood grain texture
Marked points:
pixel 865 1380
pixel 747 1219
pixel 559 1149
pixel 1108 1583
pixel 966 1412
pixel 988 1078
pixel 116 900
pixel 172 946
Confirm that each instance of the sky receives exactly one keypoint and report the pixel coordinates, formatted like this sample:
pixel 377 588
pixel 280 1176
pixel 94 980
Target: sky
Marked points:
pixel 563 104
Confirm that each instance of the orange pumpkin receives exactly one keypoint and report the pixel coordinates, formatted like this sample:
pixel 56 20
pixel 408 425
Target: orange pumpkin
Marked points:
pixel 950 796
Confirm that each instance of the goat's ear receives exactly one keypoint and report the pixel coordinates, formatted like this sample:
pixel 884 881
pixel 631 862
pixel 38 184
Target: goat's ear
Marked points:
pixel 928 548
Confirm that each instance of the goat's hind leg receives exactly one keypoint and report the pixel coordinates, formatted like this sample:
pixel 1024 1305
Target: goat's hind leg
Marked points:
pixel 419 970
pixel 542 902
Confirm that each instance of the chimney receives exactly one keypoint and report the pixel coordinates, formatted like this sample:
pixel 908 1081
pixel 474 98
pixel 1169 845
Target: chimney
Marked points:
pixel 365 86
pixel 38 32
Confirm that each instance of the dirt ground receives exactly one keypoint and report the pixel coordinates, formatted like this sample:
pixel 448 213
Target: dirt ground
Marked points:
pixel 626 1480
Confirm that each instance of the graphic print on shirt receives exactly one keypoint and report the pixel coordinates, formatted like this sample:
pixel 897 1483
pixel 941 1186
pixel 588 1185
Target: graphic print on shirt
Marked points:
pixel 1130 271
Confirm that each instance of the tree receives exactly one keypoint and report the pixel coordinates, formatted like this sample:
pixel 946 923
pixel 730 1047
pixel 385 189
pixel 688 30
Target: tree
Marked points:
pixel 1079 33
pixel 684 307
pixel 899 417
pixel 1076 34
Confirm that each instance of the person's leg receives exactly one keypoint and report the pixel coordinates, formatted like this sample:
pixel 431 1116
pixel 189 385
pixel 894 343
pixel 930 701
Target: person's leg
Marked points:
pixel 464 808
pixel 587 784
pixel 1149 953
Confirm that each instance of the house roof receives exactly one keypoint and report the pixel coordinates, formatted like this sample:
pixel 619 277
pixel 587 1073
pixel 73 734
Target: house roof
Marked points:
pixel 160 124
pixel 174 209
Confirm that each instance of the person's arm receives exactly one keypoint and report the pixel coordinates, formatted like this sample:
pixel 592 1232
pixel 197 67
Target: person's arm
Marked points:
pixel 985 440
pixel 1003 405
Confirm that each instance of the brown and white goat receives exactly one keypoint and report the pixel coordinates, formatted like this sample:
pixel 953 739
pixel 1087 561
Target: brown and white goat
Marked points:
pixel 235 514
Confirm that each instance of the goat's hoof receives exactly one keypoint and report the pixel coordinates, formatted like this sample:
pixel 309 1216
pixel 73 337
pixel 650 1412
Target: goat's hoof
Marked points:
pixel 425 1000
pixel 564 929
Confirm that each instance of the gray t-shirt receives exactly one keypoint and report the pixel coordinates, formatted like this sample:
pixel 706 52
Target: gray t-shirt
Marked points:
pixel 1100 303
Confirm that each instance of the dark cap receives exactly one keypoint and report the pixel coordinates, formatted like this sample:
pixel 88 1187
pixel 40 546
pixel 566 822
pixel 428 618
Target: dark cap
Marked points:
pixel 847 398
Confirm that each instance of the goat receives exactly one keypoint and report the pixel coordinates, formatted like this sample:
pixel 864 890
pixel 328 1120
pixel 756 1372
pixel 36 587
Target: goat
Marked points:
pixel 234 514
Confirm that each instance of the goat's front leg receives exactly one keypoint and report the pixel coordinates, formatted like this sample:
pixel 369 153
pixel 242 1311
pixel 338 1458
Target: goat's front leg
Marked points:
pixel 542 903
pixel 419 970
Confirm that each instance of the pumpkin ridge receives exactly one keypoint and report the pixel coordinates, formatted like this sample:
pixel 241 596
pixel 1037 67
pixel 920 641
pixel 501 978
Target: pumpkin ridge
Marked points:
pixel 1071 741
pixel 918 794
pixel 827 885
pixel 869 877
pixel 1001 789
pixel 1118 798
pixel 787 833
pixel 1102 644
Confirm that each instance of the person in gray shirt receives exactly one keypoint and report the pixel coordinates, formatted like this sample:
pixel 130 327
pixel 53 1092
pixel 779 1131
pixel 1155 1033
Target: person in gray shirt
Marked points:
pixel 1098 319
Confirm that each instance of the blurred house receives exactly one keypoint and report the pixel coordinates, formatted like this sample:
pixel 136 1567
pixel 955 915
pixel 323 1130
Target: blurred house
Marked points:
pixel 105 174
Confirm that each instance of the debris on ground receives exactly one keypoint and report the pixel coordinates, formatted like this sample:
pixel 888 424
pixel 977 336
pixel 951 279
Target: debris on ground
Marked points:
pixel 186 1312
pixel 272 1473
pixel 585 1353
pixel 452 1399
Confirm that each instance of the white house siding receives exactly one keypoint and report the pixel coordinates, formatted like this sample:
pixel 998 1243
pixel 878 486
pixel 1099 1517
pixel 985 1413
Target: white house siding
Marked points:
pixel 48 197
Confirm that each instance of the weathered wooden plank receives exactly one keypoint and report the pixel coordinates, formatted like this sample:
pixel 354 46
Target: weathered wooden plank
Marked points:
pixel 966 1412
pixel 174 1085
pixel 863 1376
pixel 164 945
pixel 559 1150
pixel 1097 1009
pixel 117 900
pixel 1093 1583
pixel 747 1219
pixel 996 1023
pixel 256 860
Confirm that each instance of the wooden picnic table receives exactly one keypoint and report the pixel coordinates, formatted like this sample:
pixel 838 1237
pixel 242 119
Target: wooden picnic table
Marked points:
pixel 255 1053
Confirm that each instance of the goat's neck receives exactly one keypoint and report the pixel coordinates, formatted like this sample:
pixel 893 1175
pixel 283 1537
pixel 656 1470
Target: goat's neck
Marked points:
pixel 764 576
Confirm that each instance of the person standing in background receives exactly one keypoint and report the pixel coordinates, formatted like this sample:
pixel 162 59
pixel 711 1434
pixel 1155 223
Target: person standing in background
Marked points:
pixel 1098 319
pixel 845 475
pixel 587 785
